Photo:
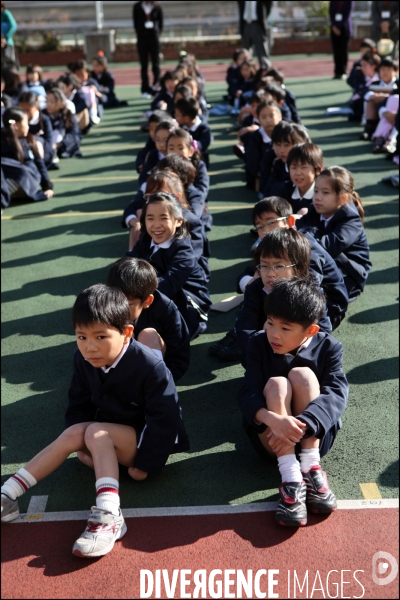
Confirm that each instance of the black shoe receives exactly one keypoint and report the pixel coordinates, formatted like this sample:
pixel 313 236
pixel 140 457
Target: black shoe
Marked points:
pixel 239 151
pixel 320 498
pixel 228 340
pixel 230 353
pixel 365 136
pixel 292 511
pixel 53 167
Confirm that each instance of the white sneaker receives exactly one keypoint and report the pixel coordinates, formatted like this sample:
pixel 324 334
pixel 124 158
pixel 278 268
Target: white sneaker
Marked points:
pixel 102 531
pixel 9 509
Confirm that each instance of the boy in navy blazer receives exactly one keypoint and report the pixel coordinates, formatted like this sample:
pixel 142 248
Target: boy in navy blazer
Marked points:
pixel 122 408
pixel 293 396
pixel 157 321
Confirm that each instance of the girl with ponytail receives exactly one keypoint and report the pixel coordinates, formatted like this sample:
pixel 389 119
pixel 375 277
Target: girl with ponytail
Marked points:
pixel 336 220
pixel 22 159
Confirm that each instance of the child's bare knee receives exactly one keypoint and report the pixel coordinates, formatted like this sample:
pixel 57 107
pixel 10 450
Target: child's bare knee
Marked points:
pixel 94 432
pixel 274 386
pixel 75 435
pixel 150 338
pixel 301 377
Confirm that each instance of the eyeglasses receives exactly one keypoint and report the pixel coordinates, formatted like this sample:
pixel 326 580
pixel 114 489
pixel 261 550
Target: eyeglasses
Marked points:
pixel 275 269
pixel 258 228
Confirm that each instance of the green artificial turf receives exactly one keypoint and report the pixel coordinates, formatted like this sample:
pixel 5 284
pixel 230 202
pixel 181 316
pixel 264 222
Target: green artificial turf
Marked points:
pixel 47 259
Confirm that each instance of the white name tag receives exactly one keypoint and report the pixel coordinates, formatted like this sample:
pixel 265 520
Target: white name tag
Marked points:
pixel 338 17
pixel 149 25
pixel 386 14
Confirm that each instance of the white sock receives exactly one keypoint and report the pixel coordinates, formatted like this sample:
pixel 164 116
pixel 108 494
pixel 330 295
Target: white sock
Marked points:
pixel 289 468
pixel 309 458
pixel 18 484
pixel 107 494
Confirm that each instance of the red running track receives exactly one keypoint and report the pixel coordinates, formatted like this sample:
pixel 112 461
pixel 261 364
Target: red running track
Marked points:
pixel 37 559
pixel 308 67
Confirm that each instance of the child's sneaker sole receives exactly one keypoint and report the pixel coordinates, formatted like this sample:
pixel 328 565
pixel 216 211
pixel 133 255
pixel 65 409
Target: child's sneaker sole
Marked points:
pixel 101 533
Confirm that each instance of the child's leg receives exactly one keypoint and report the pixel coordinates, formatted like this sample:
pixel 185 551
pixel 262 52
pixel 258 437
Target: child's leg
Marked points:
pixel 150 337
pixel 278 397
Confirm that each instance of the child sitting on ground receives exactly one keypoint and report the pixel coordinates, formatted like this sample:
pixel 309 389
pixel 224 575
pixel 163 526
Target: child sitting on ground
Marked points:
pixel 335 219
pixel 247 123
pixel 274 170
pixel 187 116
pixel 106 83
pixel 305 163
pixel 34 82
pixel 90 88
pixel 165 243
pixel 290 99
pixel 122 408
pixel 233 76
pixel 165 98
pixel 39 125
pixel 66 136
pixel 157 323
pixel 71 87
pixel 375 100
pixel 156 117
pixel 161 135
pixel 293 396
pixel 356 80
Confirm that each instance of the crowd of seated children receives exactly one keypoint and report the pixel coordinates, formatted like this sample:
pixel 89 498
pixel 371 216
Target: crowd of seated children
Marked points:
pixel 233 75
pixel 293 395
pixel 123 408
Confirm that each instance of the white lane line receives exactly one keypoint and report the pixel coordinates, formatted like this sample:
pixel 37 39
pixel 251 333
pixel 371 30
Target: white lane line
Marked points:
pixel 194 511
pixel 37 505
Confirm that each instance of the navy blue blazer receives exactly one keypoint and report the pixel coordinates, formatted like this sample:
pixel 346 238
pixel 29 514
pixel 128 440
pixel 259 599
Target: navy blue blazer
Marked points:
pixel 345 240
pixel 255 151
pixel 356 79
pixel 29 174
pixel 105 80
pixel 277 179
pixel 142 154
pixel 79 100
pixel 179 275
pixel 71 141
pixel 290 100
pixel 202 180
pixel 152 161
pixel 203 137
pixel 166 97
pixel 45 135
pixel 267 163
pixel 323 356
pixel 199 241
pixel 234 81
pixel 164 316
pixel 251 317
pixel 139 392
pixel 286 193
pixel 286 112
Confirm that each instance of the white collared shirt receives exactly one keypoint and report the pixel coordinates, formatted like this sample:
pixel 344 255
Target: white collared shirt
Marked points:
pixel 307 196
pixel 289 357
pixel 116 361
pixel 265 136
pixel 196 124
pixel 165 245
pixel 324 219
pixel 35 118
pixel 286 168
pixel 253 11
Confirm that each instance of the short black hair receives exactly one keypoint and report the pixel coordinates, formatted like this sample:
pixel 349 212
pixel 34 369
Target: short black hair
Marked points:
pixel 291 133
pixel 101 304
pixel 135 277
pixel 306 154
pixel 276 74
pixel 287 244
pixel 185 170
pixel 160 116
pixel 388 61
pixel 257 97
pixel 296 300
pixel 266 104
pixel 184 90
pixel 188 108
pixel 276 91
pixel 274 204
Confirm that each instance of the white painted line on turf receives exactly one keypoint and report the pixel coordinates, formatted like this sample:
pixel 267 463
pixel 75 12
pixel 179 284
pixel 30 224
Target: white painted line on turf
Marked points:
pixel 195 511
pixel 37 505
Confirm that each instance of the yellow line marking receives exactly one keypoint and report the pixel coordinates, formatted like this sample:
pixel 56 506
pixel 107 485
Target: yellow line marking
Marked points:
pixel 119 212
pixel 370 491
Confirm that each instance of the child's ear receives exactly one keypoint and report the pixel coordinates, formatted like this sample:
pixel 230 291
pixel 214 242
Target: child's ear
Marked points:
pixel 149 301
pixel 128 332
pixel 312 330
pixel 291 221
pixel 318 171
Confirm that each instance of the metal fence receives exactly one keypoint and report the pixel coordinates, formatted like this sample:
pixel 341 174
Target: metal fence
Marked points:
pixel 182 19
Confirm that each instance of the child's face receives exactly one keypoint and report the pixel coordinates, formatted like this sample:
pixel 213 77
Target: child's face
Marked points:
pixel 28 109
pixel 282 150
pixel 181 119
pixel 170 85
pixel 267 222
pixel 302 175
pixel 160 224
pixel 152 130
pixel 100 344
pixel 81 74
pixel 286 336
pixel 161 140
pixel 367 69
pixel 97 67
pixel 32 77
pixel 240 59
pixel 22 128
pixel 387 74
pixel 53 106
pixel 179 146
pixel 66 89
pixel 245 71
pixel 268 118
pixel 269 277
pixel 325 201
pixel 136 306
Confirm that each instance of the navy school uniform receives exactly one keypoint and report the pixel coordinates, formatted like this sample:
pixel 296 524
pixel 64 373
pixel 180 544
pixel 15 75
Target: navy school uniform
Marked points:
pixel 277 179
pixel 344 239
pixel 291 193
pixel 71 138
pixel 235 82
pixel 251 317
pixel 267 163
pixel 286 112
pixel 179 277
pixel 106 80
pixel 290 101
pixel 5 192
pixel 199 241
pixel 259 143
pixel 247 122
pixel 201 132
pixel 139 391
pixel 164 316
pixel 323 356
pixel 79 100
pixel 202 180
pixel 43 131
pixel 166 97
pixel 142 154
pixel 153 158
pixel 30 175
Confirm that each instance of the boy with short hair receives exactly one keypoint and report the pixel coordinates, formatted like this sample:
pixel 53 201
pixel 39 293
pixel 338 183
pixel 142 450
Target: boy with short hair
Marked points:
pixel 122 408
pixel 187 115
pixel 293 396
pixel 305 162
pixel 156 320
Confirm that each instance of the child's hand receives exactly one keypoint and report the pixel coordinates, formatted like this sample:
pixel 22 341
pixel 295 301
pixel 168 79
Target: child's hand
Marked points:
pixel 301 213
pixel 137 474
pixel 49 193
pixel 287 429
pixel 239 93
pixel 279 446
pixel 248 129
pixel 162 105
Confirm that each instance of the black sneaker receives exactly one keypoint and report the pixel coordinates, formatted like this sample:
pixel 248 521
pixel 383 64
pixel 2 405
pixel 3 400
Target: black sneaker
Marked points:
pixel 228 340
pixel 320 498
pixel 292 511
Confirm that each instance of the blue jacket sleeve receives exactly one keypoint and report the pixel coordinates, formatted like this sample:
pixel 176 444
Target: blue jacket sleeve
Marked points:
pixel 248 320
pixel 202 181
pixel 251 397
pixel 178 272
